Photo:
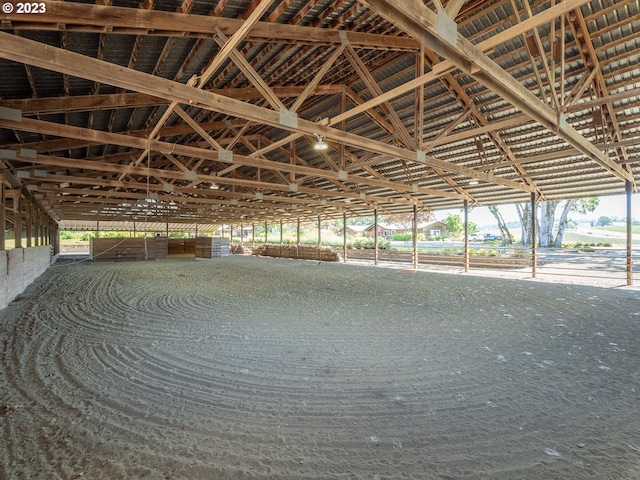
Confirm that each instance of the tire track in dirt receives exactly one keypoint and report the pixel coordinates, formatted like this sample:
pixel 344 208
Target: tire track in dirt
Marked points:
pixel 248 367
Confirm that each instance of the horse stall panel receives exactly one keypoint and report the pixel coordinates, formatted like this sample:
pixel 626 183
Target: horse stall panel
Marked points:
pixel 129 249
pixel 216 247
pixel 179 246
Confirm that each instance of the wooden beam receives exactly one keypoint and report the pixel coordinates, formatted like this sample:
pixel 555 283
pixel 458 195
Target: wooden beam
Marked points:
pixel 81 103
pixel 169 148
pixel 73 16
pixel 417 20
pixel 453 7
pixel 237 37
pixel 52 58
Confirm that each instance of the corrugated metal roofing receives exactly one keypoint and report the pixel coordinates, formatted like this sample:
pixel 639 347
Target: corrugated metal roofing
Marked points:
pixel 469 127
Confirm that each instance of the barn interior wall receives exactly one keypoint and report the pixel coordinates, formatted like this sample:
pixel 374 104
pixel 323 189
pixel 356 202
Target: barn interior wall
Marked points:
pixel 19 268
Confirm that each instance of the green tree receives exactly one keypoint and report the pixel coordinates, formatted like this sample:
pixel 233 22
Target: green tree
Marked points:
pixel 454 224
pixel 580 206
pixel 546 222
pixel 360 220
pixel 604 222
pixel 507 239
pixel 405 220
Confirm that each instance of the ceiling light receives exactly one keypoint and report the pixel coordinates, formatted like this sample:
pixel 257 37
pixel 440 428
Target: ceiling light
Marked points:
pixel 320 144
pixel 473 181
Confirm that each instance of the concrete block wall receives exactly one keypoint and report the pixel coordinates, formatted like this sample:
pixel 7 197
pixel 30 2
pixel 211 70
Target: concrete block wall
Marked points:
pixel 19 268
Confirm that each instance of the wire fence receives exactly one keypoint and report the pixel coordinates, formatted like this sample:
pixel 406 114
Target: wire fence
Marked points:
pixel 611 266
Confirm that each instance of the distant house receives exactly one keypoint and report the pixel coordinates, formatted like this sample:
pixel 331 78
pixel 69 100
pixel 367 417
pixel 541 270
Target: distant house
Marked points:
pixel 388 230
pixel 368 230
pixel 354 230
pixel 385 230
pixel 434 229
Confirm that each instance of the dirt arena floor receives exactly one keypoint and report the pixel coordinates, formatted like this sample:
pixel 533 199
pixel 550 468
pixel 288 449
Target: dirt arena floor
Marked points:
pixel 245 367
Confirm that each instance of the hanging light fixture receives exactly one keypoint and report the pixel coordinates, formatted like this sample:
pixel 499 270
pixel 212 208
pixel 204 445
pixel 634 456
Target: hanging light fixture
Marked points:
pixel 473 181
pixel 320 143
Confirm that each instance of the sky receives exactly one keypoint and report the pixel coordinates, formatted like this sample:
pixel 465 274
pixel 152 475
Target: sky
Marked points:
pixel 610 206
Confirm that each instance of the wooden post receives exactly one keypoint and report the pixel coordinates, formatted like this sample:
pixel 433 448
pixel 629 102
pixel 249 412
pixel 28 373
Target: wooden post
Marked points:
pixel 414 235
pixel 241 232
pixel 17 219
pixel 628 188
pixel 533 235
pixel 298 239
pixel 29 212
pixel 281 233
pixel 319 235
pixel 36 224
pixel 3 218
pixel 344 237
pixel 375 236
pixel 266 232
pixel 466 235
pixel 419 114
pixel 253 235
pixel 56 239
pixel 98 229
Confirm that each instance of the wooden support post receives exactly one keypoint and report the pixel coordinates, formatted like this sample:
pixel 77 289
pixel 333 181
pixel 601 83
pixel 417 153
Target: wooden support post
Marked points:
pixel 44 231
pixel 281 233
pixel 344 237
pixel 414 235
pixel 253 235
pixel 241 233
pixel 419 115
pixel 36 224
pixel 56 239
pixel 17 220
pixel 319 235
pixel 167 230
pixel 466 235
pixel 266 232
pixel 3 219
pixel 375 236
pixel 298 239
pixel 98 229
pixel 533 235
pixel 628 188
pixel 29 212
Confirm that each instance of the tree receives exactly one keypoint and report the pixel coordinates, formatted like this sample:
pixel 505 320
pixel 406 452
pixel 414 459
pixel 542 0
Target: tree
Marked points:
pixel 454 225
pixel 524 212
pixel 581 206
pixel 604 221
pixel 405 220
pixel 547 219
pixel 546 222
pixel 360 220
pixel 507 239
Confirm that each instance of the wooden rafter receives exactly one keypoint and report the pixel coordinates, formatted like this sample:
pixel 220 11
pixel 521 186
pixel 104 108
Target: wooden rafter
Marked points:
pixel 30 52
pixel 420 22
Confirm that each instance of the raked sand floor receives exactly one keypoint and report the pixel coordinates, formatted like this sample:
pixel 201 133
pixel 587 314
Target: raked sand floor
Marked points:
pixel 247 367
